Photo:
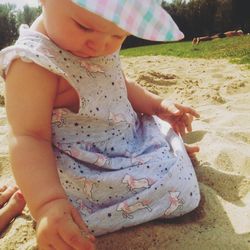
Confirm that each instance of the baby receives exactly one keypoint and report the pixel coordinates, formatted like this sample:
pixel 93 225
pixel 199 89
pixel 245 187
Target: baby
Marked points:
pixel 91 151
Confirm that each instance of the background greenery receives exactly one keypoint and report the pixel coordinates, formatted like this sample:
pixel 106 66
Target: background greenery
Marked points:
pixel 236 49
pixel 10 20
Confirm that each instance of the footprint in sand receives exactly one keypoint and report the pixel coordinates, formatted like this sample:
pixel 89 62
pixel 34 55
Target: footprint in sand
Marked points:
pixel 218 99
pixel 238 87
pixel 158 78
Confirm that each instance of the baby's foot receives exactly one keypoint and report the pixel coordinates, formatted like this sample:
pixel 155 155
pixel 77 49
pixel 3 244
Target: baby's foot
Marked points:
pixel 13 207
pixel 15 204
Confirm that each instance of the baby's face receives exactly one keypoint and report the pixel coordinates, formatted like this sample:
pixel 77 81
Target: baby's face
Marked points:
pixel 78 31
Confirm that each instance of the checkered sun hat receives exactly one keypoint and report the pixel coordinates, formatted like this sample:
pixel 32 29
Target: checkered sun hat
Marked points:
pixel 142 18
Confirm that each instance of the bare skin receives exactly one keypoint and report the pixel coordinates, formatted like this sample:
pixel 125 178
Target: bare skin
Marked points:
pixel 11 205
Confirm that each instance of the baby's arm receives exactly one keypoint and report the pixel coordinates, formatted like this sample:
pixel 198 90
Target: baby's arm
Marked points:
pixel 30 94
pixel 179 116
pixel 141 99
pixel 29 103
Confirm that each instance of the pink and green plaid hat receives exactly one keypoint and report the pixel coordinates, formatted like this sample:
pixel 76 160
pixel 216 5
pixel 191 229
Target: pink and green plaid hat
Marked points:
pixel 142 18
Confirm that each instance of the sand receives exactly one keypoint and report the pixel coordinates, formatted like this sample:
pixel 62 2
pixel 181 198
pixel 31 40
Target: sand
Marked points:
pixel 220 91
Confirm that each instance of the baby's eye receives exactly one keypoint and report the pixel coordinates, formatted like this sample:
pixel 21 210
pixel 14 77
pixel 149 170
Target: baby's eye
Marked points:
pixel 84 27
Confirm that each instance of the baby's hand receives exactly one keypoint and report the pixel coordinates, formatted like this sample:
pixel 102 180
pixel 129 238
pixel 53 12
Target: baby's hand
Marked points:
pixel 180 117
pixel 59 226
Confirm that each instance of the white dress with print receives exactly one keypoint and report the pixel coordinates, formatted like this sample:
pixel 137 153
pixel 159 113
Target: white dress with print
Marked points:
pixel 118 168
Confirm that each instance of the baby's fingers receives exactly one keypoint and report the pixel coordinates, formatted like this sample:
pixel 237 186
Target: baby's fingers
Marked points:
pixel 187 119
pixel 51 240
pixel 78 220
pixel 57 243
pixel 182 129
pixel 74 237
pixel 188 110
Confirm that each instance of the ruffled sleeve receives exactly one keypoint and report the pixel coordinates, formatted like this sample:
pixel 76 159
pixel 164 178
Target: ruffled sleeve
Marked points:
pixel 31 47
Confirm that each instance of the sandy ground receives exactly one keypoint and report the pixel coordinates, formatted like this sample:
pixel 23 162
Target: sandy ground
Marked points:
pixel 220 91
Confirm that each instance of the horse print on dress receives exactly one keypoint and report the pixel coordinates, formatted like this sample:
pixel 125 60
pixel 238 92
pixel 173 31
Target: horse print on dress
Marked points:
pixel 60 146
pixel 137 183
pixel 127 210
pixel 57 117
pixel 96 159
pixel 117 118
pixel 92 69
pixel 81 206
pixel 175 203
pixel 86 186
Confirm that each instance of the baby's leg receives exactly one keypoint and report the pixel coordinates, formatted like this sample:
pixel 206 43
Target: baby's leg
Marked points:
pixel 14 205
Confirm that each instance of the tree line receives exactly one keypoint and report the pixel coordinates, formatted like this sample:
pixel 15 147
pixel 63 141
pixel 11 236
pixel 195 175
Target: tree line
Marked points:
pixel 207 17
pixel 195 18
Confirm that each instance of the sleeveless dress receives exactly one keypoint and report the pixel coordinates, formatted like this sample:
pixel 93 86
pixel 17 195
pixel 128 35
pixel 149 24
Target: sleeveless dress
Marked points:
pixel 118 168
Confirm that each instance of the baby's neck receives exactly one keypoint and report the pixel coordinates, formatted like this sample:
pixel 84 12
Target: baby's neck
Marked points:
pixel 38 25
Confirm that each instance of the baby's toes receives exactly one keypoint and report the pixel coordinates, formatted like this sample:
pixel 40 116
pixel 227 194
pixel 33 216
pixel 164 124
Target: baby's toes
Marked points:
pixel 16 203
pixel 6 194
pixel 3 188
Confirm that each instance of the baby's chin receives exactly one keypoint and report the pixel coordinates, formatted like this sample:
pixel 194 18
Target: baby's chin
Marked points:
pixel 80 54
pixel 88 55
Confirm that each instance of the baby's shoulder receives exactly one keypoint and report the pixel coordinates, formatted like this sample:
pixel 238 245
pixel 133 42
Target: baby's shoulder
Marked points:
pixel 20 68
pixel 25 72
pixel 29 79
pixel 30 93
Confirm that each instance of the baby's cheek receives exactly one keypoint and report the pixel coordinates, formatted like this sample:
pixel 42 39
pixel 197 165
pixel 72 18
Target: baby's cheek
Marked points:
pixel 114 46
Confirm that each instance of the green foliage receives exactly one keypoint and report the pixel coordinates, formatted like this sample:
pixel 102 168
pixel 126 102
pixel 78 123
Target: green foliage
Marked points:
pixel 8 28
pixel 27 15
pixel 237 49
pixel 10 20
pixel 207 17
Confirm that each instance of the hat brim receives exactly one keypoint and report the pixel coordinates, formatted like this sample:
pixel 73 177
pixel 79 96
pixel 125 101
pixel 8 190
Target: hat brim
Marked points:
pixel 145 19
